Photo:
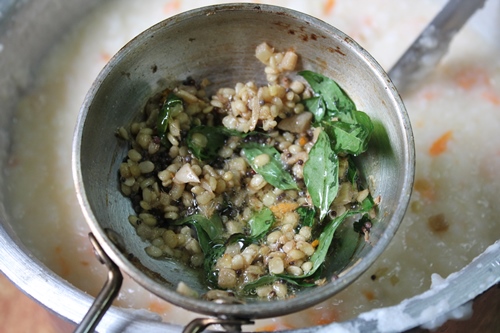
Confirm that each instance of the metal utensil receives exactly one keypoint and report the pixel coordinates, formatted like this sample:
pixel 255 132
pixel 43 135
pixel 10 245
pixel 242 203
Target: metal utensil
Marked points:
pixel 218 43
pixel 432 44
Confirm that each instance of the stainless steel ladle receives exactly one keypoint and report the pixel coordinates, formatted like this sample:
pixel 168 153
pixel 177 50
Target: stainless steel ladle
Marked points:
pixel 218 43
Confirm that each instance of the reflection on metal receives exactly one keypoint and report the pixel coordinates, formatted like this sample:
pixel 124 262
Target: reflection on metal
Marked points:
pixel 108 293
pixel 431 45
pixel 229 324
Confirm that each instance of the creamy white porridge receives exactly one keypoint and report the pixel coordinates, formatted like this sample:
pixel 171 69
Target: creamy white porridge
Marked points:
pixel 452 215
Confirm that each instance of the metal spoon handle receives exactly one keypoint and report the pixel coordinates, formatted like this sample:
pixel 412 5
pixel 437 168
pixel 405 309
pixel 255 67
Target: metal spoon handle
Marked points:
pixel 430 46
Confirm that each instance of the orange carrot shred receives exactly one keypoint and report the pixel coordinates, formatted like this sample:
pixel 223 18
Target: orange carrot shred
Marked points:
pixel 471 77
pixel 370 295
pixel 491 97
pixel 329 4
pixel 302 140
pixel 326 317
pixel 171 7
pixel 279 210
pixel 105 56
pixel 274 327
pixel 315 243
pixel 158 307
pixel 441 144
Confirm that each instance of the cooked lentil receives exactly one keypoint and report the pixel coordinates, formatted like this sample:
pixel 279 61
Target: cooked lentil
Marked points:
pixel 169 176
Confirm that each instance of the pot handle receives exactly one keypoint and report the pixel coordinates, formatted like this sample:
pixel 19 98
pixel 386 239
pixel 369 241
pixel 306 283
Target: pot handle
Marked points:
pixel 107 294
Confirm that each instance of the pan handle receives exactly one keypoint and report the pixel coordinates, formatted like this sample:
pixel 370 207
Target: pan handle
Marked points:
pixel 229 324
pixel 107 294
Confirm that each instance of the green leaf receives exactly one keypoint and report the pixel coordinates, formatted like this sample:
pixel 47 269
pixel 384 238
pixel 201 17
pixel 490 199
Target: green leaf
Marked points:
pixel 321 173
pixel 207 230
pixel 351 129
pixel 214 253
pixel 325 240
pixel 260 223
pixel 350 136
pixel 274 171
pixel 317 106
pixel 364 207
pixel 335 98
pixel 352 171
pixel 208 148
pixel 216 136
pixel 306 215
pixel 249 287
pixel 172 104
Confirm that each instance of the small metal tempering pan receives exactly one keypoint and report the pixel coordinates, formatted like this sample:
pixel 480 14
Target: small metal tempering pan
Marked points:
pixel 218 42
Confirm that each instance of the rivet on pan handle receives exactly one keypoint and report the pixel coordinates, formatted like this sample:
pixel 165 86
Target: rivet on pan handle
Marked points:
pixel 107 294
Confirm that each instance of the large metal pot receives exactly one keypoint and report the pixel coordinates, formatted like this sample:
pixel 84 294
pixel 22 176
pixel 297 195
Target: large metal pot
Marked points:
pixel 28 29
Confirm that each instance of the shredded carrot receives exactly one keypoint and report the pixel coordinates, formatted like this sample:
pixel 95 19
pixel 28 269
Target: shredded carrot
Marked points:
pixel 159 307
pixel 303 140
pixel 279 210
pixel 491 97
pixel 105 56
pixel 429 94
pixel 324 316
pixel 370 295
pixel 468 78
pixel 425 188
pixel 328 8
pixel 368 21
pixel 171 7
pixel 315 243
pixel 274 327
pixel 441 144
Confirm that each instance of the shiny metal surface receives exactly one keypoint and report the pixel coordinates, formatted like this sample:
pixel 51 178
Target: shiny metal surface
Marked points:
pixel 218 43
pixel 432 44
pixel 40 25
pixel 107 295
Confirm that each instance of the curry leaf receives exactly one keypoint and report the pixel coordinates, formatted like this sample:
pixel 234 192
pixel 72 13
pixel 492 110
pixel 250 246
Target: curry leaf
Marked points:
pixel 351 133
pixel 250 287
pixel 321 174
pixel 317 106
pixel 216 136
pixel 260 223
pixel 306 216
pixel 347 138
pixel 214 253
pixel 364 207
pixel 212 141
pixel 335 98
pixel 172 104
pixel 207 230
pixel 273 172
pixel 325 240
